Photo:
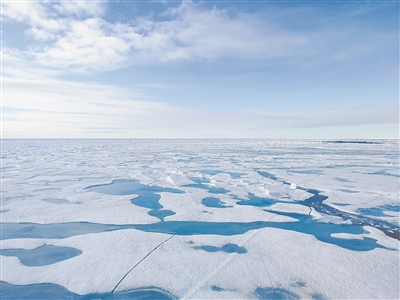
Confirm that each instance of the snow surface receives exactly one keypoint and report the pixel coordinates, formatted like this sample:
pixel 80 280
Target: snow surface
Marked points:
pixel 288 247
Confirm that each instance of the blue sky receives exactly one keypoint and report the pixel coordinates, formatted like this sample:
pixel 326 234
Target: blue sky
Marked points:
pixel 200 69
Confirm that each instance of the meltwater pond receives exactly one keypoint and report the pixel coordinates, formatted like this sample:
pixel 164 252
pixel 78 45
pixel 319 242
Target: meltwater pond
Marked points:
pixel 149 199
pixel 147 194
pixel 275 294
pixel 305 224
pixel 41 256
pixel 55 291
pixel 214 202
pixel 228 248
pixel 129 187
pixel 316 202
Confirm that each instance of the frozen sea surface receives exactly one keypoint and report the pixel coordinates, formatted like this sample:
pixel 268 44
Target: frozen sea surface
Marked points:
pixel 191 219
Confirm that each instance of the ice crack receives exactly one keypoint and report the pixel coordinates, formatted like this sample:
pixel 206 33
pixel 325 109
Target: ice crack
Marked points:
pixel 147 255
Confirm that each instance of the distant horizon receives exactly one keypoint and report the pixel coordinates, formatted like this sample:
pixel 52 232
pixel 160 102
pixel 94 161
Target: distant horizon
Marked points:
pixel 200 69
pixel 237 138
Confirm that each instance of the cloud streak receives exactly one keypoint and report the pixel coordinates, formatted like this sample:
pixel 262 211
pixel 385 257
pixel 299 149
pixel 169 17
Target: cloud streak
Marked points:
pixel 55 108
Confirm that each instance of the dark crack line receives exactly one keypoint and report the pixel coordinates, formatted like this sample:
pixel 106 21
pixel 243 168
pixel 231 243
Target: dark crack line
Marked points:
pixel 155 248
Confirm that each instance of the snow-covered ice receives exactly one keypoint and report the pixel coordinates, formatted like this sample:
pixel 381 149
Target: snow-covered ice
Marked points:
pixel 200 219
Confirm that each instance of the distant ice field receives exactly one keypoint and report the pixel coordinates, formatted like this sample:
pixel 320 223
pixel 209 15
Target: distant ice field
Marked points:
pixel 200 219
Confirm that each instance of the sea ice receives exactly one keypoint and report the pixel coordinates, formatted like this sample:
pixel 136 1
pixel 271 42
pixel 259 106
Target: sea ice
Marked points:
pixel 209 219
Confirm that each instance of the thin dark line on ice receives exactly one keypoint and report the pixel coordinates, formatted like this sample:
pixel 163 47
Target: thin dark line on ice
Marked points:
pixel 155 248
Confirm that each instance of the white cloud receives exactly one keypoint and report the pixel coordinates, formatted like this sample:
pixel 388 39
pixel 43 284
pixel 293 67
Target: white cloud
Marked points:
pixel 74 34
pixel 209 34
pixel 86 45
pixel 24 11
pixel 43 25
pixel 81 8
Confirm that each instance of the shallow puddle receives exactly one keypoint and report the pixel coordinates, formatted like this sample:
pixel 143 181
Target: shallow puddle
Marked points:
pixel 147 195
pixel 42 256
pixel 228 248
pixel 214 202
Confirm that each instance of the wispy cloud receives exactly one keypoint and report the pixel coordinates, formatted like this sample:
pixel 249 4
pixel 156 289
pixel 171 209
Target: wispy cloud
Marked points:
pixel 51 107
pixel 45 107
pixel 76 35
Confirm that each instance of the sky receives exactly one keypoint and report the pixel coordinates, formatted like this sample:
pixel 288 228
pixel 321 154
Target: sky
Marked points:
pixel 200 69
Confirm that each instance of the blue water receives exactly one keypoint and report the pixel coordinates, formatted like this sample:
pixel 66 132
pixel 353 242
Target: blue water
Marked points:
pixel 341 204
pixel 228 248
pixel 393 207
pixel 214 202
pixel 323 231
pixel 275 294
pixel 316 202
pixel 151 201
pixel 200 180
pixel 55 291
pixel 352 142
pixel 316 172
pixel 304 224
pixel 147 195
pixel 258 201
pixel 148 201
pixel 42 256
pixel 268 175
pixel 161 213
pixel 317 296
pixel 217 288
